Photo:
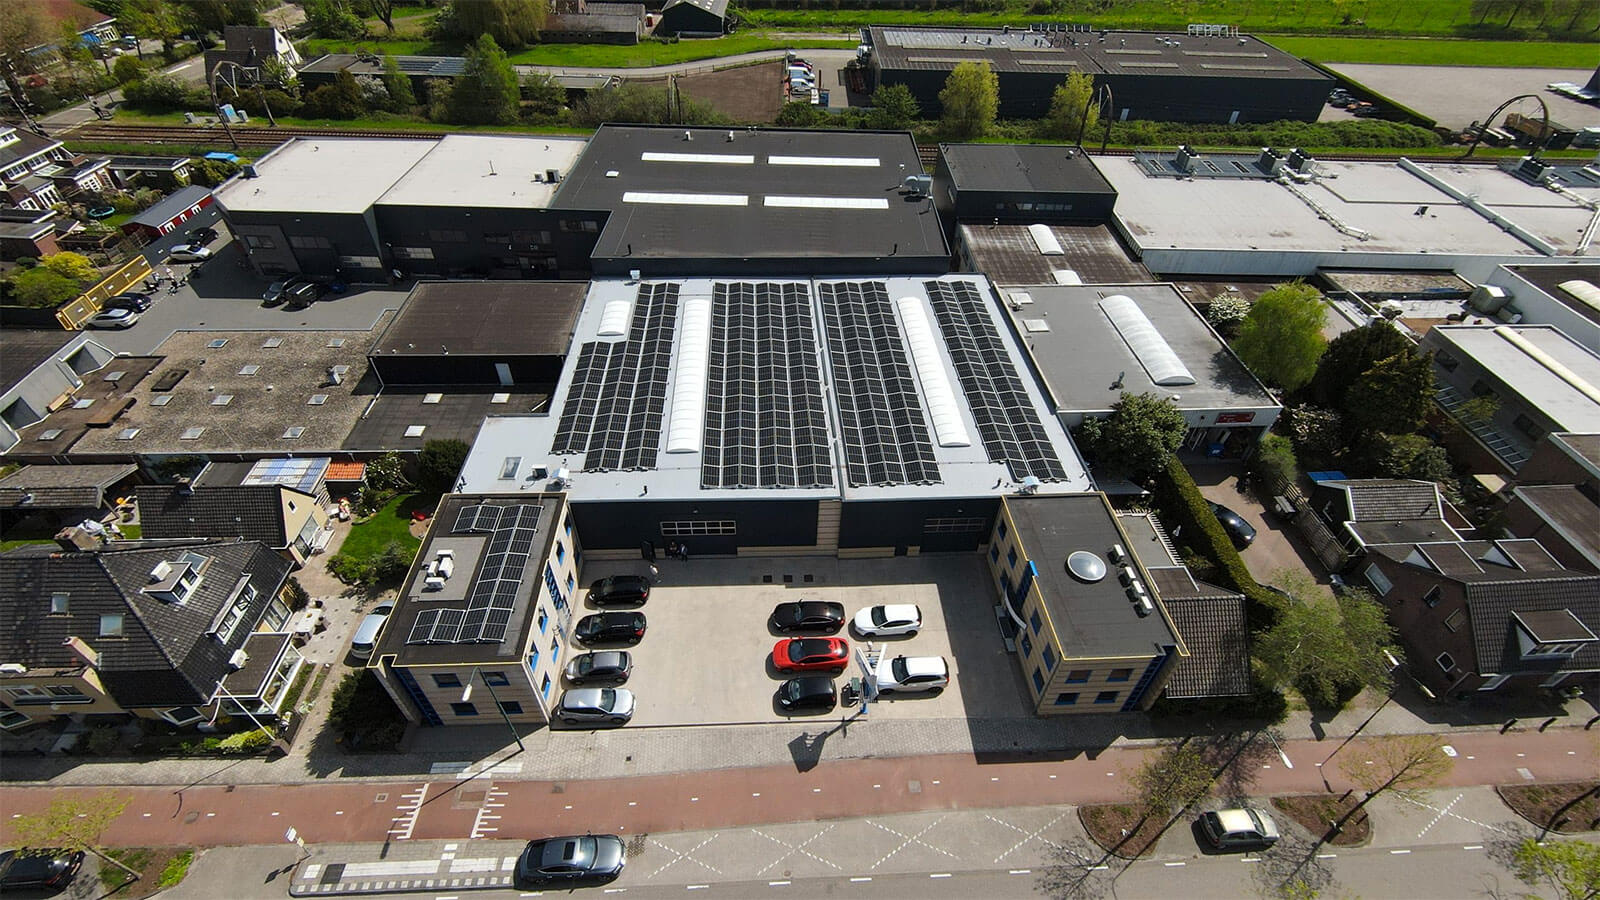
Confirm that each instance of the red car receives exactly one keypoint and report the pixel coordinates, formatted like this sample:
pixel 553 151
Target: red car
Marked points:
pixel 811 655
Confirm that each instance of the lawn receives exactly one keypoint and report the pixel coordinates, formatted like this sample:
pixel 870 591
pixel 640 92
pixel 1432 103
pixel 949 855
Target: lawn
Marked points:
pixel 1414 52
pixel 648 53
pixel 392 523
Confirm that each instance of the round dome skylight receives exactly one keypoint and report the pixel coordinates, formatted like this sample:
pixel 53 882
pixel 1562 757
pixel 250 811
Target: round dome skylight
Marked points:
pixel 1086 566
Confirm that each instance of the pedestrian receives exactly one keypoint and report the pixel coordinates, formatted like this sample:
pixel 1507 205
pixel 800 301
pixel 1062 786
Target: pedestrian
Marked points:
pixel 683 550
pixel 672 549
pixel 655 573
pixel 169 273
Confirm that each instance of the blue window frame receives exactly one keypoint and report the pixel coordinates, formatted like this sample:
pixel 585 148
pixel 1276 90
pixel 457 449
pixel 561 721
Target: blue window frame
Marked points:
pixel 533 659
pixel 544 688
pixel 1036 622
pixel 1069 699
pixel 1079 676
pixel 1038 681
pixel 544 620
pixel 1027 645
pixel 994 553
pixel 447 680
pixel 464 709
pixel 561 552
pixel 1048 657
pixel 572 583
pixel 1106 697
pixel 1001 529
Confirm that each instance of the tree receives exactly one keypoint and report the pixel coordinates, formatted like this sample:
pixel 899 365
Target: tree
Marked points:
pixel 1393 396
pixel 382 10
pixel 23 27
pixel 440 463
pixel 74 822
pixel 1073 111
pixel 343 99
pixel 333 19
pixel 971 98
pixel 1281 338
pixel 512 23
pixel 542 95
pixel 216 15
pixel 392 562
pixel 1176 777
pixel 1227 313
pixel 42 288
pixel 157 19
pixel 71 265
pixel 1350 355
pixel 126 69
pixel 1326 650
pixel 1403 763
pixel 487 91
pixel 1570 869
pixel 1138 436
pixel 894 107
pixel 1402 456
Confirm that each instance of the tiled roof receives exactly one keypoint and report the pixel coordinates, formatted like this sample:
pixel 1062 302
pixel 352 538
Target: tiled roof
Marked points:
pixel 1392 499
pixel 251 512
pixel 1213 627
pixel 1491 605
pixel 165 656
pixel 60 487
pixel 346 471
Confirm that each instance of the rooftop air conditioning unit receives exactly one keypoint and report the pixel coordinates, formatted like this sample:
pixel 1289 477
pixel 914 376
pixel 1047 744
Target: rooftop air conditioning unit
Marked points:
pixel 433 583
pixel 1127 575
pixel 552 175
pixel 1270 161
pixel 1184 159
pixel 1117 554
pixel 1144 607
pixel 1488 299
pixel 1301 161
pixel 238 659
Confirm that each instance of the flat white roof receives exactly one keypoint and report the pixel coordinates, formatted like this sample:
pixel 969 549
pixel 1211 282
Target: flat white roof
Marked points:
pixel 324 175
pixel 486 171
pixel 1529 377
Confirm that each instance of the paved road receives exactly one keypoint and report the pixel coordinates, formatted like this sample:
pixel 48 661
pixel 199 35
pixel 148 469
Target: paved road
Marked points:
pixel 1458 95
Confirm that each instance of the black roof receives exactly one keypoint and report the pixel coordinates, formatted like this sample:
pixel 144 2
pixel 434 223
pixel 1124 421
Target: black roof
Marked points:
pixel 485 318
pixel 23 351
pixel 25 146
pixel 252 512
pixel 834 194
pixel 1023 169
pixel 61 487
pixel 714 7
pixel 164 211
pixel 165 657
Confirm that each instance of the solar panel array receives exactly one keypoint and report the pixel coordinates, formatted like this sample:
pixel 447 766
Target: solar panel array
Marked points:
pixel 619 390
pixel 512 531
pixel 1012 432
pixel 766 425
pixel 885 435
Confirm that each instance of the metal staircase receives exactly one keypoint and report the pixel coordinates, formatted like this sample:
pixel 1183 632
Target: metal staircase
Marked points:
pixel 1485 431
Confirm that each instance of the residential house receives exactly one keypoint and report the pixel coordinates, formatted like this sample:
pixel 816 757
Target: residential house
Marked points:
pixel 693 18
pixel 62 495
pixel 247 47
pixel 1367 511
pixel 28 232
pixel 287 520
pixel 170 213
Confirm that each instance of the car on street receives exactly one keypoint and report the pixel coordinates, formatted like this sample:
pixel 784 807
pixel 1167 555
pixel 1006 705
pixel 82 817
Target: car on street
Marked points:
pixel 807 615
pixel 366 636
pixel 611 705
pixel 35 869
pixel 604 665
pixel 201 236
pixel 610 628
pixel 808 693
pixel 133 300
pixel 819 654
pixel 572 859
pixel 1230 829
pixel 913 674
pixel 893 619
pixel 1239 531
pixel 620 590
pixel 190 253
pixel 113 318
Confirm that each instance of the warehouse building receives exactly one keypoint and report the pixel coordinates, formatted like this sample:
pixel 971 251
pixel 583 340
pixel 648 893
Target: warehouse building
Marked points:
pixel 1020 183
pixel 479 333
pixel 1218 77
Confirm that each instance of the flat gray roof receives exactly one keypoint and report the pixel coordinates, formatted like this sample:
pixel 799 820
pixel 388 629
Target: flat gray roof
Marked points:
pixel 485 170
pixel 1023 168
pixel 1080 354
pixel 482 318
pixel 1091 253
pixel 324 175
pixel 1549 278
pixel 1492 348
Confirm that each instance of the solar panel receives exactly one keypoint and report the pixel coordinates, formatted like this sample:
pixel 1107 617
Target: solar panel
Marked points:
pixel 1007 420
pixel 765 417
pixel 493 597
pixel 885 435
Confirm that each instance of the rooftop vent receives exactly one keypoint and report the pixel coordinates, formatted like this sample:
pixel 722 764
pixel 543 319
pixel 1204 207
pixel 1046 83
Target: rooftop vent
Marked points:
pixel 238 659
pixel 1085 566
pixel 1184 159
pixel 1301 161
pixel 1270 161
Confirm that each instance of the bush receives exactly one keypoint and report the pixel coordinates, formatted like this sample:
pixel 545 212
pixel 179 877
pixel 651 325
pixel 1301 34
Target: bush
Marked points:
pixel 102 741
pixel 341 100
pixel 440 463
pixel 41 288
pixel 211 172
pixel 1317 434
pixel 349 569
pixel 280 103
pixel 252 741
pixel 162 93
pixel 392 562
pixel 1227 313
pixel 1181 503
pixel 1275 461
pixel 126 69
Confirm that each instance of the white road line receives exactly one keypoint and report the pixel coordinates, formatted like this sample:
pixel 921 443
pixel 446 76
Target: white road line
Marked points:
pixel 1473 847
pixel 1327 856
pixel 1441 814
pixel 860 878
pixel 1021 871
pixel 1174 865
pixel 679 857
pixel 798 848
pixel 1399 852
pixel 910 839
pixel 939 875
pixel 776 883
pixel 1027 836
pixel 695 887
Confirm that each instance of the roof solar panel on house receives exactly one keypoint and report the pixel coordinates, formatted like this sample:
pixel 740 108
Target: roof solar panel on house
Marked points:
pixel 493 597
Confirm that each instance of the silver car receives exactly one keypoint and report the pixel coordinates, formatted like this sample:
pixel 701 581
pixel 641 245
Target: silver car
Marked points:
pixel 613 705
pixel 602 665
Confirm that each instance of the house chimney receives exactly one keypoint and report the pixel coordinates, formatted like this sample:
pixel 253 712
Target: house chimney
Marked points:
pixel 82 651
pixel 75 538
pixel 185 485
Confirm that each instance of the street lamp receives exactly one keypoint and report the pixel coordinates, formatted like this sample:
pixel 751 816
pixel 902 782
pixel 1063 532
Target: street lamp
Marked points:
pixel 466 696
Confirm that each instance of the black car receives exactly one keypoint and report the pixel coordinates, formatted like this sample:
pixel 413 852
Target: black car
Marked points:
pixel 131 300
pixel 202 236
pixel 822 616
pixel 611 628
pixel 808 693
pixel 278 291
pixel 38 868
pixel 1239 531
pixel 620 590
pixel 302 295
pixel 572 859
pixel 607 665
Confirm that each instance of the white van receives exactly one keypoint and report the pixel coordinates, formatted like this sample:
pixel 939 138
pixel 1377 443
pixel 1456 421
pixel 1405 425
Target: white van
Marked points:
pixel 361 646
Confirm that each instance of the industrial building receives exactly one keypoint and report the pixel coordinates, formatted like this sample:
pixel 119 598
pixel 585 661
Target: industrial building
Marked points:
pixel 1020 183
pixel 479 333
pixel 1215 75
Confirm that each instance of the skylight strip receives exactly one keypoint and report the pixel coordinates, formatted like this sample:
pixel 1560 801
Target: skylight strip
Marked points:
pixel 687 425
pixel 827 202
pixel 942 409
pixel 859 162
pixel 731 159
pixel 671 199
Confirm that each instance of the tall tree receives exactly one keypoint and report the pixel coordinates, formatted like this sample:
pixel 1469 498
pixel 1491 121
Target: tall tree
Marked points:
pixel 75 822
pixel 382 10
pixel 401 97
pixel 159 19
pixel 22 28
pixel 893 107
pixel 1393 396
pixel 440 463
pixel 1175 777
pixel 971 99
pixel 542 95
pixel 1138 436
pixel 215 15
pixel 1281 339
pixel 1322 648
pixel 1350 355
pixel 1403 763
pixel 1570 869
pixel 487 92
pixel 1073 111
pixel 512 23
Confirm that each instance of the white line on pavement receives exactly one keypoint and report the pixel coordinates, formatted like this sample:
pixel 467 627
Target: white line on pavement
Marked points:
pixel 1021 871
pixel 1473 847
pixel 1399 852
pixel 862 878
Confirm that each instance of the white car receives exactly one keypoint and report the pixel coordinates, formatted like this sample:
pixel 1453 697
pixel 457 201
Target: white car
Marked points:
pixel 191 253
pixel 114 318
pixel 913 674
pixel 893 619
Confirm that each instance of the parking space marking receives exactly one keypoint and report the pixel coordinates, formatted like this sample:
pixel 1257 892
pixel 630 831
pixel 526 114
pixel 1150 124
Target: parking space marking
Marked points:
pixel 480 822
pixel 678 856
pixel 798 848
pixel 908 840
pixel 1442 813
pixel 402 826
pixel 1026 835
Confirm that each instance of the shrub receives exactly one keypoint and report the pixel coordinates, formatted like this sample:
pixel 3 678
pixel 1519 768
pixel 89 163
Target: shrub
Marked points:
pixel 126 69
pixel 391 562
pixel 252 741
pixel 439 463
pixel 341 100
pixel 364 712
pixel 211 172
pixel 1181 504
pixel 1226 313
pixel 102 741
pixel 1318 435
pixel 295 594
pixel 161 93
pixel 41 288
pixel 349 569
pixel 1275 461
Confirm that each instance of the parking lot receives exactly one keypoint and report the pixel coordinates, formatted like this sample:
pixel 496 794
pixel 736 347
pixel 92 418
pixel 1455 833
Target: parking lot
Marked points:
pixel 706 655
pixel 1457 95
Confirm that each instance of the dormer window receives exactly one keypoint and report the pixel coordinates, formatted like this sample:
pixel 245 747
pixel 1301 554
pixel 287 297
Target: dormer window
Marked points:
pixel 175 581
pixel 1549 634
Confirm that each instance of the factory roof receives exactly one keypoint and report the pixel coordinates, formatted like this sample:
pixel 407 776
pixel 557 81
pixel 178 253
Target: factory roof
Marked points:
pixel 1010 254
pixel 324 175
pixel 1023 168
pixel 502 171
pixel 479 318
pixel 1565 283
pixel 1548 370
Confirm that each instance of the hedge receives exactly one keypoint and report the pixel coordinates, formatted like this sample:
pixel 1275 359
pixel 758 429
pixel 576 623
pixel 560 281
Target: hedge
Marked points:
pixel 1182 504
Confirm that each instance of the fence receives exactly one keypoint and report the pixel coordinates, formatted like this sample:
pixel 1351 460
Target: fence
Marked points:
pixel 74 314
pixel 1314 530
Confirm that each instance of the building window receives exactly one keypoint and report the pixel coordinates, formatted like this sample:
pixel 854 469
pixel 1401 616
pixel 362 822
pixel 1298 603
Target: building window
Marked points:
pixel 259 242
pixel 1453 621
pixel 544 621
pixel 244 598
pixel 1445 360
pixel 1011 557
pixel 561 552
pixel 447 235
pixel 1038 682
pixel 951 525
pixel 1070 699
pixel 994 553
pixel 511 707
pixel 533 659
pixel 1036 622
pixel 309 242
pixel 544 687
pixel 1529 427
pixel 1432 596
pixel 1047 655
pixel 1481 388
pixel 1079 676
pixel 1445 661
pixel 447 680
pixel 509 466
pixel 1106 697
pixel 1001 529
pixel 572 583
pixel 1120 675
pixel 464 709
pixel 58 602
pixel 111 625
pixel 698 527
pixel 66 692
pixel 1027 645
pixel 495 238
pixel 1379 581
pixel 495 679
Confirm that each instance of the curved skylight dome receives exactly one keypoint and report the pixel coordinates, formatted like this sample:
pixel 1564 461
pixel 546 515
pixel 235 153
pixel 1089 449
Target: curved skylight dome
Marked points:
pixel 1147 344
pixel 1086 566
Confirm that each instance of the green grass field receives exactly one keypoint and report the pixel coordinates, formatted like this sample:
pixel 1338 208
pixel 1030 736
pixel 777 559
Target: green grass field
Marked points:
pixel 392 523
pixel 1418 52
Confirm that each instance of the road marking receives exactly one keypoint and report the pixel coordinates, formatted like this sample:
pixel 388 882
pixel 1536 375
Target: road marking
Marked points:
pixel 615 890
pixel 910 839
pixel 691 800
pixel 696 887
pixel 1021 871
pixel 1174 865
pixel 276 814
pixel 994 778
pixel 860 878
pixel 448 897
pixel 936 781
pixel 680 856
pixel 1052 777
pixel 940 875
pixel 755 793
pixel 633 803
pixel 776 883
pixel 799 848
pixel 819 790
pixel 1327 856
pixel 569 806
pixel 147 815
pixel 1441 814
pixel 1473 847
pixel 1399 852
pixel 210 815
pixel 1026 836
pixel 876 786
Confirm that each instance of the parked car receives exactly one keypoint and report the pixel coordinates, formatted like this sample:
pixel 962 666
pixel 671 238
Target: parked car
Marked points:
pixel 807 615
pixel 893 619
pixel 113 318
pixel 190 253
pixel 913 674
pixel 1239 531
pixel 613 705
pixel 199 237
pixel 276 292
pixel 571 859
pixel 51 869
pixel 811 655
pixel 611 628
pixel 606 665
pixel 812 693
pixel 302 295
pixel 1229 829
pixel 620 590
pixel 366 637
pixel 132 300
